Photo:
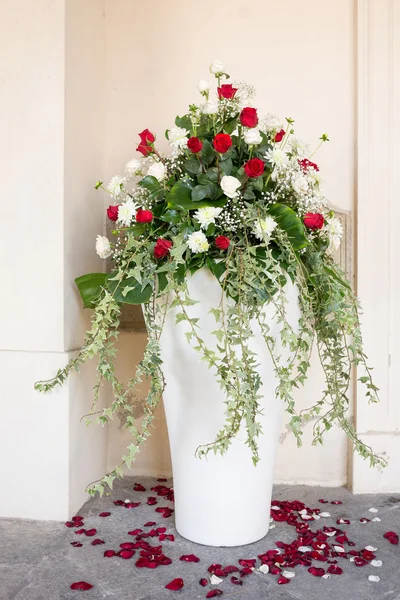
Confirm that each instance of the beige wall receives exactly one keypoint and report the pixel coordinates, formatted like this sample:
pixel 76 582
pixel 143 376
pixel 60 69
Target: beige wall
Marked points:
pixel 301 58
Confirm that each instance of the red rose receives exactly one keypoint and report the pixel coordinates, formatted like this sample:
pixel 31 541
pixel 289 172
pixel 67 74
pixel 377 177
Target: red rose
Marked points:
pixel 222 242
pixel 144 216
pixel 112 212
pixel 222 142
pixel 194 145
pixel 306 165
pixel 162 248
pixel 248 117
pixel 313 221
pixel 146 138
pixel 254 167
pixel 279 136
pixel 227 91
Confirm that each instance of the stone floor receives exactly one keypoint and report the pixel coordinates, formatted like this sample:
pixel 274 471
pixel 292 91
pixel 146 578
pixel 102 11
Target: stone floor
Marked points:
pixel 37 561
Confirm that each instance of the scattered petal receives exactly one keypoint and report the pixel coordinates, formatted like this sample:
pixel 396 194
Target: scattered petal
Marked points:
pixel 214 593
pixel 326 576
pixel 175 584
pixel 282 580
pixel 70 524
pixel 213 567
pixel 374 578
pixel 376 520
pixel 304 549
pixel 162 479
pixel 104 514
pixel 264 569
pixel 135 532
pixel 203 582
pixel 236 581
pixel 247 562
pixel 150 524
pixel 214 580
pixel 323 501
pixel 189 558
pixel 80 531
pixel 127 546
pixel 229 569
pixel 109 553
pixel 373 510
pixel 335 570
pixel 391 536
pixel 376 563
pixel 139 488
pixel 336 502
pixel 364 520
pixel 76 544
pixel 288 574
pixel 90 532
pixel 317 572
pixel 343 522
pixel 325 514
pixel 81 585
pixel 97 542
pixel 126 554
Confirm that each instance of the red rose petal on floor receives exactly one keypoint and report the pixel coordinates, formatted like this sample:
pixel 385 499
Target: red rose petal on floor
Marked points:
pixel 336 502
pixel 342 522
pixel 245 571
pixel 364 520
pixel 170 537
pixel 139 488
pixel 236 581
pixel 275 570
pixel 392 537
pixel 161 529
pixel 230 569
pixel 132 504
pixel 189 558
pixel 316 572
pixel 141 562
pixel 203 582
pixel 219 573
pixel 175 584
pixel 244 562
pixel 77 518
pixel 80 531
pixel 97 542
pixel 367 555
pixel 104 514
pixel 214 593
pixel 153 533
pixel 214 566
pixel 81 585
pixel 76 544
pixel 323 501
pixel 359 562
pixel 162 479
pixel 70 524
pixel 127 545
pixel 119 502
pixel 126 553
pixel 282 580
pixel 150 524
pixel 91 532
pixel 109 553
pixel 135 532
pixel 342 539
pixel 334 570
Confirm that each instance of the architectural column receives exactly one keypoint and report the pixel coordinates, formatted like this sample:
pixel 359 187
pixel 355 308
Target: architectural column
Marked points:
pixel 52 124
pixel 378 248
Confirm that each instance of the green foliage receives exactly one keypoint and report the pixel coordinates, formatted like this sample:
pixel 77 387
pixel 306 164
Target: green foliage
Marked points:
pixel 90 287
pixel 288 220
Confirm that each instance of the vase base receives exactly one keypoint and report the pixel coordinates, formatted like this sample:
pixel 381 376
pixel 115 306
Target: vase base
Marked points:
pixel 221 541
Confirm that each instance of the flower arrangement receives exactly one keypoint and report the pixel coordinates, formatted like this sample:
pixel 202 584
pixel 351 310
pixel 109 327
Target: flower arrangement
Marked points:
pixel 241 196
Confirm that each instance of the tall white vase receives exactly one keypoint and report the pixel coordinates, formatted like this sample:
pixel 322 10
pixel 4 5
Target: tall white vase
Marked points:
pixel 219 500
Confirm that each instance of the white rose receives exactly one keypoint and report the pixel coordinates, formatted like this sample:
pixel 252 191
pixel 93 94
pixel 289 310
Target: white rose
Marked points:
pixel 203 86
pixel 210 108
pixel 264 227
pixel 197 242
pixel 103 247
pixel 300 184
pixel 207 215
pixel 177 137
pixel 272 122
pixel 157 170
pixel 217 67
pixel 134 166
pixel 252 137
pixel 230 186
pixel 126 211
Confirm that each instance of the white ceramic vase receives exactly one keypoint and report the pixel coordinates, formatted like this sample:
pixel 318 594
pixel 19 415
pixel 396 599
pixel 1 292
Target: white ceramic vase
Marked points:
pixel 219 500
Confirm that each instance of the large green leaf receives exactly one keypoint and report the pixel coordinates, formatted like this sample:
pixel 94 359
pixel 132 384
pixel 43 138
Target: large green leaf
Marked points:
pixel 89 287
pixel 207 153
pixel 180 196
pixel 135 293
pixel 151 184
pixel 291 223
pixel 184 122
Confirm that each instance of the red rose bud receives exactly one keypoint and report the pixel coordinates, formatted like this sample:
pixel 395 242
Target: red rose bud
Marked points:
pixel 248 117
pixel 222 242
pixel 162 247
pixel 144 216
pixel 313 221
pixel 254 167
pixel 227 91
pixel 279 136
pixel 306 165
pixel 222 142
pixel 112 212
pixel 146 138
pixel 194 145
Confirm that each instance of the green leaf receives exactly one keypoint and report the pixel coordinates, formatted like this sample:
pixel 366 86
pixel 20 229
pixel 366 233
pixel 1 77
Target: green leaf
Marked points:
pixel 230 125
pixel 249 194
pixel 226 166
pixel 184 122
pixel 150 183
pixel 207 153
pixel 199 193
pixel 162 281
pixel 288 220
pixel 216 268
pixel 180 195
pixel 136 229
pixel 193 166
pixel 171 216
pixel 135 295
pixel 89 287
pixel 258 184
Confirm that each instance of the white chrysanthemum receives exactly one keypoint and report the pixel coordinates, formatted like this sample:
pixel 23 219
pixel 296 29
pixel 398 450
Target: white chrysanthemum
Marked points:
pixel 272 122
pixel 177 137
pixel 103 247
pixel 314 177
pixel 115 186
pixel 277 157
pixel 230 186
pixel 300 184
pixel 333 227
pixel 126 212
pixel 207 215
pixel 157 170
pixel 264 227
pixel 217 66
pixel 134 166
pixel 210 108
pixel 298 147
pixel 252 137
pixel 203 86
pixel 197 242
